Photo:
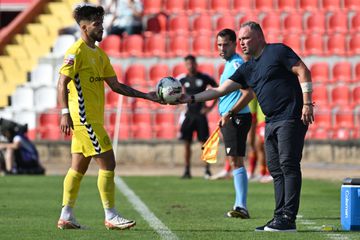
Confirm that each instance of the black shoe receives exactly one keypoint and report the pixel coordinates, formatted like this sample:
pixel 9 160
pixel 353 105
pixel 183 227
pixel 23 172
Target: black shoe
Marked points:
pixel 238 212
pixel 261 228
pixel 283 224
pixel 186 175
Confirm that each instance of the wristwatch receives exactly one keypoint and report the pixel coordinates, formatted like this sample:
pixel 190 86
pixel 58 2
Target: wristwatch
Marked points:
pixel 230 113
pixel 192 99
pixel 309 104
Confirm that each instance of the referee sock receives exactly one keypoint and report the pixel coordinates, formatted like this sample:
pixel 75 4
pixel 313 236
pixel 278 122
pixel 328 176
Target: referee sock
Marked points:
pixel 241 187
pixel 71 187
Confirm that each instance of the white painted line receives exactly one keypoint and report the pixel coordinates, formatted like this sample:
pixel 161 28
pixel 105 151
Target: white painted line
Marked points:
pixel 144 211
pixel 337 237
pixel 309 225
pixel 307 222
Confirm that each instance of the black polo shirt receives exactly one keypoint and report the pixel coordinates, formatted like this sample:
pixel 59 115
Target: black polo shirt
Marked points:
pixel 276 87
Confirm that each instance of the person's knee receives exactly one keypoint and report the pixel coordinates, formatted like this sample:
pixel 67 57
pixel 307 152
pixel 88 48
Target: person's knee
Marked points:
pixel 290 168
pixel 274 168
pixel 106 160
pixel 237 162
pixel 79 168
pixel 80 163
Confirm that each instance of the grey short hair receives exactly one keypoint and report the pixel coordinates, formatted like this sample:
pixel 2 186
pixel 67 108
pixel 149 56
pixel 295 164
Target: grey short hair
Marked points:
pixel 253 26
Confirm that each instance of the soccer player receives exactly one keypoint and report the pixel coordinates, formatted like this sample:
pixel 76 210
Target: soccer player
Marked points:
pixel 283 87
pixel 265 176
pixel 235 123
pixel 251 155
pixel 195 116
pixel 81 95
pixel 257 156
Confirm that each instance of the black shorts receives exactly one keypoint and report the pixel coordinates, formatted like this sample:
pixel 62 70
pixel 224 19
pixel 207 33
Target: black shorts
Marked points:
pixel 235 133
pixel 192 123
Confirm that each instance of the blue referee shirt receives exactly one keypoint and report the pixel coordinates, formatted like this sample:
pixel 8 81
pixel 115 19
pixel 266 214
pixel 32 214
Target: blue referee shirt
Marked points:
pixel 228 101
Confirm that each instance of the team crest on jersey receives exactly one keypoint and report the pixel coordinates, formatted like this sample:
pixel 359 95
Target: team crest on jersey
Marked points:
pixel 236 64
pixel 199 82
pixel 69 60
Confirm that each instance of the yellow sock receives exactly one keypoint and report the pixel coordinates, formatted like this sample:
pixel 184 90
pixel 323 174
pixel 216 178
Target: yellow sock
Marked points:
pixel 71 187
pixel 106 188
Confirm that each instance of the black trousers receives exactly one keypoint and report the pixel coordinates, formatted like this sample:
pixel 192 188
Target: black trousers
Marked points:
pixel 284 142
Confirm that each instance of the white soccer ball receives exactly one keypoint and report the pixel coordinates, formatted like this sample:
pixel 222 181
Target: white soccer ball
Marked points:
pixel 169 89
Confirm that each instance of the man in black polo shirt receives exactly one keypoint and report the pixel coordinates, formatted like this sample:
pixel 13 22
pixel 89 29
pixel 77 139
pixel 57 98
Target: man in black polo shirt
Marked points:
pixel 282 84
pixel 195 116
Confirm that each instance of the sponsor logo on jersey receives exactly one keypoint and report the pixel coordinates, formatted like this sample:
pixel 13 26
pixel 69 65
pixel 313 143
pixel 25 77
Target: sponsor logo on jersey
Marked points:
pixel 199 82
pixel 107 140
pixel 96 79
pixel 236 64
pixel 69 60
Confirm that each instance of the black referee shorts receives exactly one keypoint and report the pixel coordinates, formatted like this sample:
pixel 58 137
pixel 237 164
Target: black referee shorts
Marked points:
pixel 194 123
pixel 235 133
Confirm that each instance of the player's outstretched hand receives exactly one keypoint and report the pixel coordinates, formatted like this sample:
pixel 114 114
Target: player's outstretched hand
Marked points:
pixel 152 96
pixel 184 98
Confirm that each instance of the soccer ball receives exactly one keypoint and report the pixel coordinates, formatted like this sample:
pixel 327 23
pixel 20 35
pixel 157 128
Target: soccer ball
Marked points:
pixel 169 89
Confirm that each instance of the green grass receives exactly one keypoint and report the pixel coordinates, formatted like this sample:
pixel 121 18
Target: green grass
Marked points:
pixel 191 209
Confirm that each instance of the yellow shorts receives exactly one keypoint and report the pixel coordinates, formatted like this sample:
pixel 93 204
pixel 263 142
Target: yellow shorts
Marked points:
pixel 253 105
pixel 90 140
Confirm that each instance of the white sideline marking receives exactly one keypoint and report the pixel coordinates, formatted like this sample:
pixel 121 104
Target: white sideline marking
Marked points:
pixel 337 237
pixel 144 211
pixel 309 223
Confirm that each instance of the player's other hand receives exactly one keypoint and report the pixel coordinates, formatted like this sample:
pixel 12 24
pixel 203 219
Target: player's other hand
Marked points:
pixel 307 114
pixel 223 120
pixel 66 124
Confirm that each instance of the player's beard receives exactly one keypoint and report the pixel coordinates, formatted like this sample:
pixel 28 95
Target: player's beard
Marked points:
pixel 97 36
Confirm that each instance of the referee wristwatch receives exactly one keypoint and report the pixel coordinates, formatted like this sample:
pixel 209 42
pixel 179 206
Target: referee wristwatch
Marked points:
pixel 230 113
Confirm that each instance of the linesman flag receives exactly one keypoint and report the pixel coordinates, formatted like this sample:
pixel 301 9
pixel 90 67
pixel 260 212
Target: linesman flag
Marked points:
pixel 210 147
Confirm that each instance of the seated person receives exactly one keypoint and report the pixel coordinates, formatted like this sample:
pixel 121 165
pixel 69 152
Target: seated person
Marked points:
pixel 127 17
pixel 18 153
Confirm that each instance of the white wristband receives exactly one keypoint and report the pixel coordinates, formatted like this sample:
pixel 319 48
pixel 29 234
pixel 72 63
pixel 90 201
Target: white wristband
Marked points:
pixel 306 87
pixel 64 111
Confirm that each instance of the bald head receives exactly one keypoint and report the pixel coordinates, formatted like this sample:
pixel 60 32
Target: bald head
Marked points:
pixel 252 40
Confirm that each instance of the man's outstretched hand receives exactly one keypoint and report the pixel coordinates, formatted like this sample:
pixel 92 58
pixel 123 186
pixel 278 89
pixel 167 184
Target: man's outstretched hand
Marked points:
pixel 184 99
pixel 152 96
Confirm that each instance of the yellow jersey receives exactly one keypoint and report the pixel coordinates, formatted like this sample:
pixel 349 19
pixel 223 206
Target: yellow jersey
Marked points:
pixel 255 109
pixel 87 67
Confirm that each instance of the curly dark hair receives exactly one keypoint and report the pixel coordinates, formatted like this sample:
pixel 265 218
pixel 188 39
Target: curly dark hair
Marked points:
pixel 88 12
